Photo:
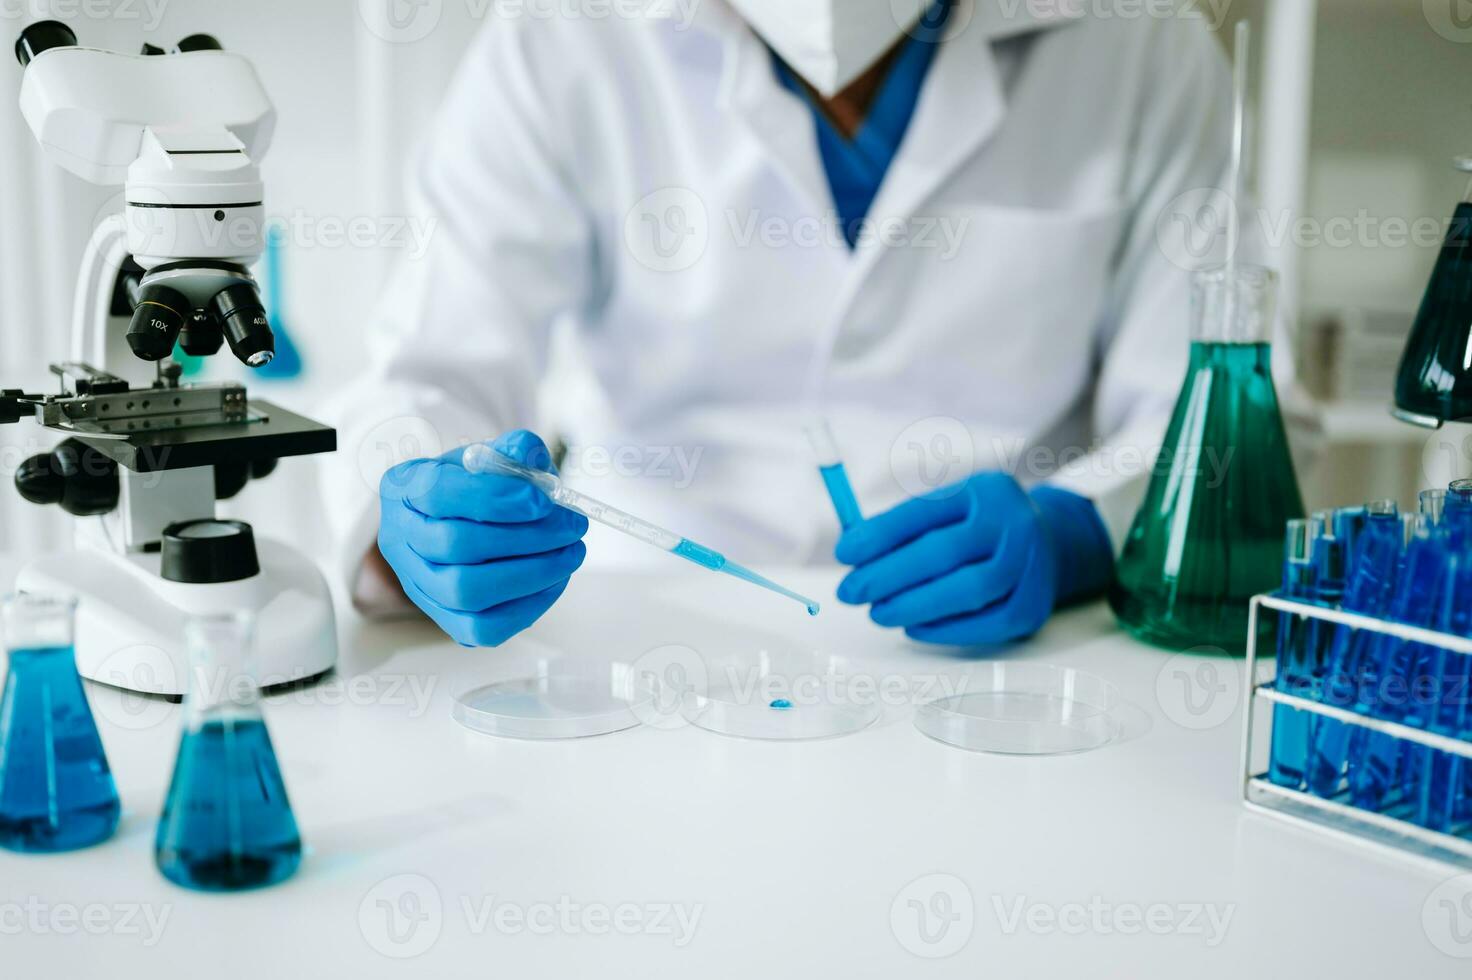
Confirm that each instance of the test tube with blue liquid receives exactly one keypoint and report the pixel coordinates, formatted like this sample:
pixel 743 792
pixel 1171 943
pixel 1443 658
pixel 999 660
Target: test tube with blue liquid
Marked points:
pixel 833 472
pixel 56 788
pixel 1377 541
pixel 485 458
pixel 227 824
pixel 1295 661
pixel 1379 763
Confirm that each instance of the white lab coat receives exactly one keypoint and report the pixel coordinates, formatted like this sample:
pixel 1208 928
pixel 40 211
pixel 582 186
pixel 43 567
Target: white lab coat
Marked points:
pixel 1025 312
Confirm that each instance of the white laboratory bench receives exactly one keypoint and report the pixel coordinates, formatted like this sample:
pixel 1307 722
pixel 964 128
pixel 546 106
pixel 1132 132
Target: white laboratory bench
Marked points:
pixel 434 851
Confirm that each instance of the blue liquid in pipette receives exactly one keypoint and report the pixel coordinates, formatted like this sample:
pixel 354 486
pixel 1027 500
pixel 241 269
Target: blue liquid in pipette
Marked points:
pixel 717 562
pixel 841 492
pixel 56 789
pixel 227 824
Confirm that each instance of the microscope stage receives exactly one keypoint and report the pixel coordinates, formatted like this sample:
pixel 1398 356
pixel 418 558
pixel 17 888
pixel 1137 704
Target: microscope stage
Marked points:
pixel 271 433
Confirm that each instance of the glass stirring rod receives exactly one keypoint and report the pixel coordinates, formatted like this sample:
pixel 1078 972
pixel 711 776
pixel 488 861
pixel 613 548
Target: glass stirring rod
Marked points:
pixel 482 458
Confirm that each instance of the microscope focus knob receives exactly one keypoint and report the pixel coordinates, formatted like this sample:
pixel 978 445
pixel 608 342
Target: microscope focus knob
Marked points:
pixel 79 478
pixel 209 552
pixel 43 35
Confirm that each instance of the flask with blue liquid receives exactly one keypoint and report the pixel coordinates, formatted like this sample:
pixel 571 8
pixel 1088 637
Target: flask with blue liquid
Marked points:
pixel 227 824
pixel 56 789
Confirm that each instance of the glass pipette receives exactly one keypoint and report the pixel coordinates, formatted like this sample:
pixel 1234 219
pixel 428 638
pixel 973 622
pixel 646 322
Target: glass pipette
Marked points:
pixel 482 458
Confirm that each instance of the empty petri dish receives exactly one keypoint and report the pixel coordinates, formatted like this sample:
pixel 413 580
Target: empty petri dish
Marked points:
pixel 557 699
pixel 1025 709
pixel 782 697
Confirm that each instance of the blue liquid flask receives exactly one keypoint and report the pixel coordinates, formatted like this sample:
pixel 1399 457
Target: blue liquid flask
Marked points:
pixel 1295 656
pixel 56 790
pixel 1376 550
pixel 227 824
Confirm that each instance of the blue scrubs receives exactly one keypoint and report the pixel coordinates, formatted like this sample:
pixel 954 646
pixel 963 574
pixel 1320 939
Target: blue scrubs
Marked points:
pixel 856 167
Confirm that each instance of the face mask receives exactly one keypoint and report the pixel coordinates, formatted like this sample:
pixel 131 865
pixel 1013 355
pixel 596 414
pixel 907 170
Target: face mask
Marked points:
pixel 830 42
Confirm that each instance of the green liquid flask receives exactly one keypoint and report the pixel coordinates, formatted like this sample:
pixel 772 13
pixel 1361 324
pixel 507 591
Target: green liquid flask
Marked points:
pixel 1209 535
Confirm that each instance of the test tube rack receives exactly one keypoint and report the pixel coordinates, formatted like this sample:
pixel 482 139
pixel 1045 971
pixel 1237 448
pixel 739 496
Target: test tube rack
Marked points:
pixel 1336 816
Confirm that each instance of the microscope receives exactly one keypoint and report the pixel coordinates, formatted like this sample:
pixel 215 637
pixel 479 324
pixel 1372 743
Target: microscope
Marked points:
pixel 145 458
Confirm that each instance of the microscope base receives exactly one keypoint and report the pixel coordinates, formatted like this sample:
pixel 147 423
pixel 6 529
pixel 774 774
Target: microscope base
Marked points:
pixel 130 622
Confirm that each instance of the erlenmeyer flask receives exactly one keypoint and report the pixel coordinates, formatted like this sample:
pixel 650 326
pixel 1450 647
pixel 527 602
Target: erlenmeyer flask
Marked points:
pixel 227 823
pixel 1209 534
pixel 56 790
pixel 1434 384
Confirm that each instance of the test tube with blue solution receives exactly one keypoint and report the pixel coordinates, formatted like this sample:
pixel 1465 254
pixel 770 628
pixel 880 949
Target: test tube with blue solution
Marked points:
pixel 56 789
pixel 227 824
pixel 835 476
pixel 1375 549
pixel 1441 781
pixel 484 458
pixel 1380 763
pixel 1295 661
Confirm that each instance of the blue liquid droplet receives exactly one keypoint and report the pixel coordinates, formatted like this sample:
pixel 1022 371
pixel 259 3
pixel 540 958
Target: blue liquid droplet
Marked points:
pixel 813 609
pixel 781 704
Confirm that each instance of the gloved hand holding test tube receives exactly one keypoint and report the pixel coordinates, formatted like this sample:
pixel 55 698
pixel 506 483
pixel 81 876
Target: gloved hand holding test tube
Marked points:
pixel 483 458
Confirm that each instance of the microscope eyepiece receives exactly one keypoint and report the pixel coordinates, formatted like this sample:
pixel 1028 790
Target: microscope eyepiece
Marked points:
pixel 160 314
pixel 243 320
pixel 43 35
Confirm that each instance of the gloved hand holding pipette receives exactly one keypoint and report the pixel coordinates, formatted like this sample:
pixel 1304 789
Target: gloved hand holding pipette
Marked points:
pixel 484 555
pixel 981 562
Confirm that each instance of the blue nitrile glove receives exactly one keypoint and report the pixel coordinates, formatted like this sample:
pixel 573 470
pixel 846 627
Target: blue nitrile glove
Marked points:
pixel 483 555
pixel 980 562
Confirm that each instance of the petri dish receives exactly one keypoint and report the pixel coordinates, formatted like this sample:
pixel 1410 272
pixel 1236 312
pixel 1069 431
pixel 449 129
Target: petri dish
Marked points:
pixel 1025 709
pixel 782 697
pixel 557 699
